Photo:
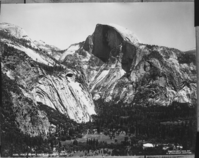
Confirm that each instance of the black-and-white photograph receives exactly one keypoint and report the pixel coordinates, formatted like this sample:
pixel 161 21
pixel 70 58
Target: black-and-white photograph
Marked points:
pixel 98 80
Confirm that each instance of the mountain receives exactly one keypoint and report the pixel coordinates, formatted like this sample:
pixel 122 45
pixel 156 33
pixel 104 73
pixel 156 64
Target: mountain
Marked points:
pixel 110 67
pixel 41 78
pixel 134 73
pixel 19 33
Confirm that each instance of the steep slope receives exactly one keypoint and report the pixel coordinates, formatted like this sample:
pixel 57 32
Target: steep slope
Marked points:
pixel 135 73
pixel 23 112
pixel 42 79
pixel 156 77
pixel 18 34
pixel 154 74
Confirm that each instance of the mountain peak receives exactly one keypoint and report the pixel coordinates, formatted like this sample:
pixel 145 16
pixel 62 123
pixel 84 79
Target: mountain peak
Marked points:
pixel 13 30
pixel 107 37
pixel 125 33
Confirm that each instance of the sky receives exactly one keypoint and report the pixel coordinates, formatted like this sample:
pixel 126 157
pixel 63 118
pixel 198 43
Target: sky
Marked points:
pixel 168 24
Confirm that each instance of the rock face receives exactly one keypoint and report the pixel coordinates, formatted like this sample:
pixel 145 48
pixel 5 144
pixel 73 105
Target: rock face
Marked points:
pixel 135 73
pixel 20 111
pixel 110 65
pixel 156 77
pixel 43 79
pixel 107 38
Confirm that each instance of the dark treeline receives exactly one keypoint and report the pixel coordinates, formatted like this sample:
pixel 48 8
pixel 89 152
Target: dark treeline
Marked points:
pixel 158 124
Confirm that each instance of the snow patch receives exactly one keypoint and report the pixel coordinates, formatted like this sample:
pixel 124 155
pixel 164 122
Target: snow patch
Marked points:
pixel 127 34
pixel 70 50
pixel 13 30
pixel 100 77
pixel 32 54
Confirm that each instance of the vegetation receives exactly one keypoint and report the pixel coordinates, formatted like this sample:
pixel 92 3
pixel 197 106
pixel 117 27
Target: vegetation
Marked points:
pixel 158 124
pixel 187 57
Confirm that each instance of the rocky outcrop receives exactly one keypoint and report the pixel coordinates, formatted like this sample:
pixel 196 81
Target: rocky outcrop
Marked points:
pixel 20 111
pixel 155 77
pixel 43 79
pixel 135 73
pixel 17 34
pixel 65 94
pixel 110 40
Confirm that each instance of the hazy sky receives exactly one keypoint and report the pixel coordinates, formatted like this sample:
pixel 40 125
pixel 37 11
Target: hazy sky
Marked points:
pixel 168 24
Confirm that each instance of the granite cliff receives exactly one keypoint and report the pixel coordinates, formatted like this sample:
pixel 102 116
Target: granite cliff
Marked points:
pixel 111 65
